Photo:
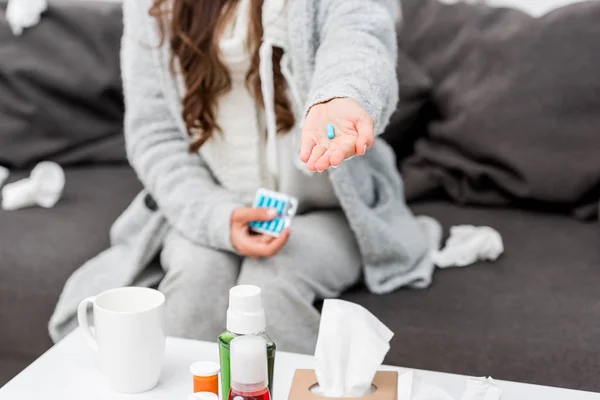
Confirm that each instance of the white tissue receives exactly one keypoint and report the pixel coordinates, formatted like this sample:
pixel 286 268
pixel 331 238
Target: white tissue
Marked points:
pixel 412 387
pixel 22 14
pixel 43 188
pixel 4 173
pixel 468 244
pixel 481 389
pixel 351 346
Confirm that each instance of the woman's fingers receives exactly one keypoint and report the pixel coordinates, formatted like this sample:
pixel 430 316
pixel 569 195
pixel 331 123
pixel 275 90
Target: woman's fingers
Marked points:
pixel 337 157
pixel 241 240
pixel 244 215
pixel 332 155
pixel 275 246
pixel 317 153
pixel 266 239
pixel 262 247
pixel 308 143
pixel 323 163
pixel 361 146
pixel 250 247
pixel 366 136
pixel 260 238
pixel 349 118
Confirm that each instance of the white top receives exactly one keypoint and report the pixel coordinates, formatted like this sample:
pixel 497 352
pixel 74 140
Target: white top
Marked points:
pixel 250 154
pixel 234 156
pixel 70 371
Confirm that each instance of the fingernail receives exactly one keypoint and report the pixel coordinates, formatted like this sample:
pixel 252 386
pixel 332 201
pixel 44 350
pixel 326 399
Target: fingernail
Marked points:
pixel 365 149
pixel 272 213
pixel 334 166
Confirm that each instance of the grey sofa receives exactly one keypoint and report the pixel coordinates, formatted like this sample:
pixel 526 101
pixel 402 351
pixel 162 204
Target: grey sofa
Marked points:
pixel 532 316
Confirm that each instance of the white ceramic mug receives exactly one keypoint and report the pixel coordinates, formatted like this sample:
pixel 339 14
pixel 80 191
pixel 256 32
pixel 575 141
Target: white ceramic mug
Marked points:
pixel 129 325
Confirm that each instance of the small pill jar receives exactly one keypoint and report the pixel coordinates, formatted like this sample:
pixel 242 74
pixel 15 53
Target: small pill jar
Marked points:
pixel 206 376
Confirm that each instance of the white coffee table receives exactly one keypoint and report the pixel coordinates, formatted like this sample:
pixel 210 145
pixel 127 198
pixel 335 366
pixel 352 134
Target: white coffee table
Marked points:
pixel 69 371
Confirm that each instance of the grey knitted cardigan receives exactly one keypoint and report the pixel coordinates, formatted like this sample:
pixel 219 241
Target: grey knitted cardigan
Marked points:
pixel 338 48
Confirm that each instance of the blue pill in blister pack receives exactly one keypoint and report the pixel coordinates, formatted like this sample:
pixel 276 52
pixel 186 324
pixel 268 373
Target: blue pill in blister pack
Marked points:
pixel 285 205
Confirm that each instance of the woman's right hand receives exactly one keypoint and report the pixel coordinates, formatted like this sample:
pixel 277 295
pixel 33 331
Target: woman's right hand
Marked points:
pixel 251 244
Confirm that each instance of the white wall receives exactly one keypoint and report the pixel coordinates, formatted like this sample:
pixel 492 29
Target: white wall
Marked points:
pixel 534 7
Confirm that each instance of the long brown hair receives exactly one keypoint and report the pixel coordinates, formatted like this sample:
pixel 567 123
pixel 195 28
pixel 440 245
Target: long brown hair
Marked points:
pixel 194 28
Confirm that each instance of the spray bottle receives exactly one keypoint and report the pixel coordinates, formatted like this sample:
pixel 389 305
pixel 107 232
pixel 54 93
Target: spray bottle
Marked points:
pixel 249 378
pixel 245 316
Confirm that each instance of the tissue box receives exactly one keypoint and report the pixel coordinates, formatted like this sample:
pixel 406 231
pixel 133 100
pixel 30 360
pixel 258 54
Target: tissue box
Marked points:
pixel 385 382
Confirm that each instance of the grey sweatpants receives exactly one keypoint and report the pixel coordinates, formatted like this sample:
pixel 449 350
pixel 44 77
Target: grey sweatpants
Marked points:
pixel 320 260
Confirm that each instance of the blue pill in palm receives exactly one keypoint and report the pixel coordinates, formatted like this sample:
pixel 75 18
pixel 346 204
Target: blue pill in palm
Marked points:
pixel 330 131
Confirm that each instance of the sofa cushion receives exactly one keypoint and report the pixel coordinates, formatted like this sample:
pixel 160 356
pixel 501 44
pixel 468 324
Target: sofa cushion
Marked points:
pixel 10 366
pixel 60 87
pixel 531 316
pixel 40 248
pixel 518 100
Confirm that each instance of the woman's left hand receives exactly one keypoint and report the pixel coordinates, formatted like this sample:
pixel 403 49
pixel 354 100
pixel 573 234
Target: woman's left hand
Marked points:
pixel 354 133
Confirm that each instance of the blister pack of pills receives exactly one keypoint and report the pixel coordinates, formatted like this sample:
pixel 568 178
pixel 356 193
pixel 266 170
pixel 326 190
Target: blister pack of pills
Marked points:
pixel 286 207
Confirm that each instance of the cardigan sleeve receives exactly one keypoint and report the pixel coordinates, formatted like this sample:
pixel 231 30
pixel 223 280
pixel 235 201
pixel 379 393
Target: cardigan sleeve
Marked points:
pixel 356 56
pixel 181 184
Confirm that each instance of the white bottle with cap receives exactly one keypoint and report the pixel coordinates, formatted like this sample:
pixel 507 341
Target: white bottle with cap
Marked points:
pixel 245 316
pixel 249 370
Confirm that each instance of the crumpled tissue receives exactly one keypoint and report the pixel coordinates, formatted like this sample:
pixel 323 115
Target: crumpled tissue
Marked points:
pixel 22 14
pixel 4 173
pixel 351 346
pixel 481 389
pixel 412 387
pixel 468 244
pixel 43 188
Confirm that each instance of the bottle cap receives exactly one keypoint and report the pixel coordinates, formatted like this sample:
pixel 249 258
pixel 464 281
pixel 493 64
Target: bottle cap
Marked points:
pixel 205 368
pixel 203 396
pixel 245 314
pixel 248 363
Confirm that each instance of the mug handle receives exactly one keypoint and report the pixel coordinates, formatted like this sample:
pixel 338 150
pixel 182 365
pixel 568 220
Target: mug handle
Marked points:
pixel 84 324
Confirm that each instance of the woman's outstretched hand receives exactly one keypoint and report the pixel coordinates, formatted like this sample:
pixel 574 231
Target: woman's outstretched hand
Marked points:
pixel 354 133
pixel 250 244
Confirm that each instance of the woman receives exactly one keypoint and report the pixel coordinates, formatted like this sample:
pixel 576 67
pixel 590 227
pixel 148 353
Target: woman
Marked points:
pixel 226 96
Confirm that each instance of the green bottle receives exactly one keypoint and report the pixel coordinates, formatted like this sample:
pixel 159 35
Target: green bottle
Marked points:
pixel 245 316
